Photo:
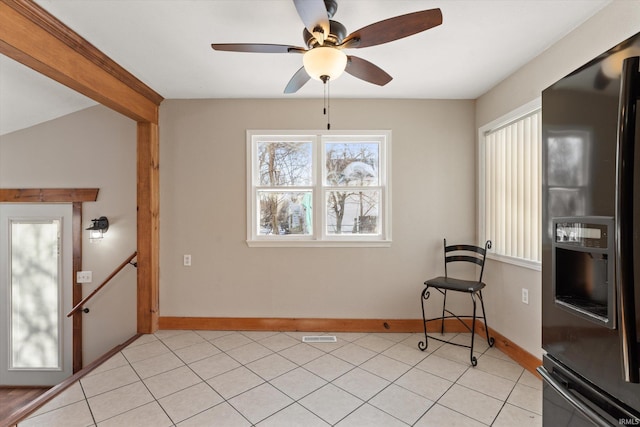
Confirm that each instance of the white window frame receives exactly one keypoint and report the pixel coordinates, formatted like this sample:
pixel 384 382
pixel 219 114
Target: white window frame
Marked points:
pixel 513 116
pixel 319 236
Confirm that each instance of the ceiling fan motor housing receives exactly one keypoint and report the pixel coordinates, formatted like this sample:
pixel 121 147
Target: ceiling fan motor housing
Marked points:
pixel 337 33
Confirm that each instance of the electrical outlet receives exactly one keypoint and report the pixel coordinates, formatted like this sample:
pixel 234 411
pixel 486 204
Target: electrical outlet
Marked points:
pixel 186 260
pixel 525 296
pixel 84 277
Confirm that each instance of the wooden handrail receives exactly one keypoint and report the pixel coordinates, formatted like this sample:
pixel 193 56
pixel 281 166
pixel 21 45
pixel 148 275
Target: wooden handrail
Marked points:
pixel 95 291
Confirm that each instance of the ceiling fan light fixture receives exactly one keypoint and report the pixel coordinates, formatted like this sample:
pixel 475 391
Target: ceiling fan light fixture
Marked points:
pixel 324 61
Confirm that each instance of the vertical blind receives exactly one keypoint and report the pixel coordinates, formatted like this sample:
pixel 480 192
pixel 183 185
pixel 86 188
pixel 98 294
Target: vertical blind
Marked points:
pixel 512 188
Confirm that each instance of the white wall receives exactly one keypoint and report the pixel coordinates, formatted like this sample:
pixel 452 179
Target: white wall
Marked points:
pixel 615 23
pixel 203 211
pixel 93 148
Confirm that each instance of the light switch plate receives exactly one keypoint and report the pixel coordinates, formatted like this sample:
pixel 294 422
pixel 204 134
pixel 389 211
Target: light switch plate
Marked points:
pixel 84 277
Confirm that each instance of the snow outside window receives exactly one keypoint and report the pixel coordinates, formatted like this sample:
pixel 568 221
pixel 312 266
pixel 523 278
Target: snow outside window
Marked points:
pixel 318 188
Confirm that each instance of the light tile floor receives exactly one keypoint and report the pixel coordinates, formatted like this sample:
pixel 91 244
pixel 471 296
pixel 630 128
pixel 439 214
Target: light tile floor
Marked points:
pixel 226 378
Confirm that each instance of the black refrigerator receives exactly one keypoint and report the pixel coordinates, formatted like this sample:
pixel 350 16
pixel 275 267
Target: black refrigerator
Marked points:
pixel 591 243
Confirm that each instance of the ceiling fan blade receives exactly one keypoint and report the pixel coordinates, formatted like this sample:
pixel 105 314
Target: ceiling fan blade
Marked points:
pixel 315 18
pixel 393 28
pixel 367 71
pixel 257 48
pixel 297 81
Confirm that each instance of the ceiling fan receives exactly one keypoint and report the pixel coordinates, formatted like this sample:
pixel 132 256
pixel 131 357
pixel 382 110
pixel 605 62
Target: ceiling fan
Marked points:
pixel 323 58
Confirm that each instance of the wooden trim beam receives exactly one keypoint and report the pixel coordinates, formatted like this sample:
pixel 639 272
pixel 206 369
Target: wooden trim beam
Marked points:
pixel 511 349
pixel 76 322
pixel 517 353
pixel 148 227
pixel 298 324
pixel 48 195
pixel 35 38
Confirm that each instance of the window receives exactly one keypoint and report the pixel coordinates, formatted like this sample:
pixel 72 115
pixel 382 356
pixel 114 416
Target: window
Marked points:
pixel 320 189
pixel 510 186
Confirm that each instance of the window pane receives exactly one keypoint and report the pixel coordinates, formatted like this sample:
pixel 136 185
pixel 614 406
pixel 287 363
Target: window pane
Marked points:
pixel 353 212
pixel 284 163
pixel 352 164
pixel 304 188
pixel 35 287
pixel 285 212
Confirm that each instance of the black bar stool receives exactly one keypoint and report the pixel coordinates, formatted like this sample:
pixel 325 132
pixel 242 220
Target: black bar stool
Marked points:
pixel 458 253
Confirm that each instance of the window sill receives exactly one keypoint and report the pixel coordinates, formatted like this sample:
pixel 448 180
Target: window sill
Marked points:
pixel 520 262
pixel 319 243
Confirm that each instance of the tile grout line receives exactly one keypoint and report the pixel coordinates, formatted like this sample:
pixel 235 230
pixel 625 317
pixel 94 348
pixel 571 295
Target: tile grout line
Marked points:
pixel 344 358
pixel 378 353
pixel 86 400
pixel 224 399
pixel 141 381
pixel 449 388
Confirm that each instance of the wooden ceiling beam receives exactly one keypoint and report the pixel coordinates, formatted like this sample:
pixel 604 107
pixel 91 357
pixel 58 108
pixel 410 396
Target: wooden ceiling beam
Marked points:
pixel 48 195
pixel 35 38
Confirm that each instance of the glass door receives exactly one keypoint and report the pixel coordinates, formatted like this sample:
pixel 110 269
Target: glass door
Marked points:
pixel 36 288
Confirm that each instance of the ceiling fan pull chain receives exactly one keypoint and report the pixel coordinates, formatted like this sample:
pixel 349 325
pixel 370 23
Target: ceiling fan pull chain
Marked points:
pixel 328 110
pixel 324 97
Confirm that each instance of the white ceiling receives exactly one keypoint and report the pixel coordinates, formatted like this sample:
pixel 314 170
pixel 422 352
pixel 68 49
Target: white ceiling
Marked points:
pixel 166 44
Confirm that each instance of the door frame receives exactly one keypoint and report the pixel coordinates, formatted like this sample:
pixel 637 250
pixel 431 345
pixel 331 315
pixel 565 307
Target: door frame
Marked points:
pixel 75 196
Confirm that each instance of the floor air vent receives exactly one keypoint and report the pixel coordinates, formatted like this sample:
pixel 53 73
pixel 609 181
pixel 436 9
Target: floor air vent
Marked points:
pixel 319 338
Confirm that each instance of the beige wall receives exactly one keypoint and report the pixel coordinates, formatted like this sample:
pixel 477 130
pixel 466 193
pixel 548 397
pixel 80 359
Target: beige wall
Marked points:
pixel 616 22
pixel 203 201
pixel 94 148
pixel 203 211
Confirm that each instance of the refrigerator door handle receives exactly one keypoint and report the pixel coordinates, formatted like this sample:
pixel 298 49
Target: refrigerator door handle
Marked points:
pixel 629 91
pixel 574 400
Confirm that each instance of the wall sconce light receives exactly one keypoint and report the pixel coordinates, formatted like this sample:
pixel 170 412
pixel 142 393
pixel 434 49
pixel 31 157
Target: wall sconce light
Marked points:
pixel 98 228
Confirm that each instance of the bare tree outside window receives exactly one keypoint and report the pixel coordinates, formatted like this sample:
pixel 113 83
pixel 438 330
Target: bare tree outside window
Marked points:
pixel 318 189
pixel 351 177
pixel 281 165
